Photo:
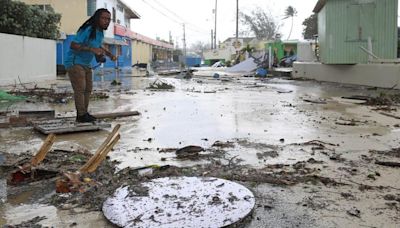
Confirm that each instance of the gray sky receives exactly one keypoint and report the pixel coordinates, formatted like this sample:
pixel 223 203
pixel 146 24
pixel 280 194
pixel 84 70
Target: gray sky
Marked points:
pixel 158 17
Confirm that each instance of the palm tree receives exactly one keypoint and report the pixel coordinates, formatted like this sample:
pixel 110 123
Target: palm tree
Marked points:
pixel 290 12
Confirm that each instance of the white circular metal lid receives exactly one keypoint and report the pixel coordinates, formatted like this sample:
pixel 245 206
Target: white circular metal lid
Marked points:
pixel 180 202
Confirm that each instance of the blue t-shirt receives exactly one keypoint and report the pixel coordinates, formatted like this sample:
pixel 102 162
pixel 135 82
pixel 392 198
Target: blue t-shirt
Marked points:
pixel 83 58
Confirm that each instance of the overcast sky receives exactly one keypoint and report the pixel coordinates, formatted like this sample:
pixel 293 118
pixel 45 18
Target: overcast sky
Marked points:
pixel 159 17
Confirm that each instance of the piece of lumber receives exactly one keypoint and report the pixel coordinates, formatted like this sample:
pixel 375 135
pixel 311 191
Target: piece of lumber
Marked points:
pixel 116 114
pixel 43 150
pixel 85 167
pixel 49 114
pixel 93 166
pixel 387 163
pixel 390 115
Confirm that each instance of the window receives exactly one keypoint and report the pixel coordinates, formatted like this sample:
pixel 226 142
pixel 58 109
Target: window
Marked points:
pixel 44 7
pixel 91 7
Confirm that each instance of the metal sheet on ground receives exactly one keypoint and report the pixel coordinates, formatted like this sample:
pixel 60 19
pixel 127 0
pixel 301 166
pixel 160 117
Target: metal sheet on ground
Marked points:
pixel 62 126
pixel 180 202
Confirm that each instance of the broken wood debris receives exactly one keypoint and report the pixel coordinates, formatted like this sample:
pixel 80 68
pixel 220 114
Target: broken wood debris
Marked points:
pixel 390 115
pixel 388 163
pixel 28 171
pixel 116 114
pixel 357 97
pixel 189 151
pixel 73 181
pixel 317 101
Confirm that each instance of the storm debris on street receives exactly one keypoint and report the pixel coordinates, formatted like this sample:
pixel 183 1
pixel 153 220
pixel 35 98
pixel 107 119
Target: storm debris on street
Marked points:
pixel 320 174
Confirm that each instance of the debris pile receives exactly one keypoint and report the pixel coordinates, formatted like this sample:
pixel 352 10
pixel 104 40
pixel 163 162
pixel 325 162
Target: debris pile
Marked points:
pixel 52 95
pixel 160 85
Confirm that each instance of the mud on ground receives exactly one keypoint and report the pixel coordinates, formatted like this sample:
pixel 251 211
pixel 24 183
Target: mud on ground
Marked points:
pixel 311 157
pixel 307 181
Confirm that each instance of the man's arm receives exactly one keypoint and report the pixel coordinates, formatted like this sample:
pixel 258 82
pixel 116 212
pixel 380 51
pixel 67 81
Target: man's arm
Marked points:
pixel 79 47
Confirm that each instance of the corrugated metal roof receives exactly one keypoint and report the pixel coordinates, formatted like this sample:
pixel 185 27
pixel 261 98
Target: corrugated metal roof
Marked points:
pixel 319 6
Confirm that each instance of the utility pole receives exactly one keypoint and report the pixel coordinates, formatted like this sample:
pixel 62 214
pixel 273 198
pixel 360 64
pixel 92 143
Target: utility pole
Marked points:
pixel 237 30
pixel 212 39
pixel 184 45
pixel 215 28
pixel 237 20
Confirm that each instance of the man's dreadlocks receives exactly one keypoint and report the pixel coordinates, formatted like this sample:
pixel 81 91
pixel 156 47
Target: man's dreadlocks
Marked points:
pixel 94 22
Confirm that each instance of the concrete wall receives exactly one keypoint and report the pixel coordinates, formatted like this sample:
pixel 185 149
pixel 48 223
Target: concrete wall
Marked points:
pixel 30 59
pixel 375 75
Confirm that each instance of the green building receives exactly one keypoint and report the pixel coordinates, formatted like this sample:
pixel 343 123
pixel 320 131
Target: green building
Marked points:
pixel 281 48
pixel 345 26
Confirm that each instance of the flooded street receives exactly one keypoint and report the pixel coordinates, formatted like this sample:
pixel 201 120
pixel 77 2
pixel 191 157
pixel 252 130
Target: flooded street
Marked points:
pixel 303 132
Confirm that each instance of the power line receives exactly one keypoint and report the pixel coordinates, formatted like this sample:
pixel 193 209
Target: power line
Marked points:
pixel 170 11
pixel 172 19
pixel 182 19
pixel 179 20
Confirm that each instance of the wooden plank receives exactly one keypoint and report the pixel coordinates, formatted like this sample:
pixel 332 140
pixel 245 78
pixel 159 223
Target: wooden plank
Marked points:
pixel 5 125
pixel 390 115
pixel 36 113
pixel 63 126
pixel 116 114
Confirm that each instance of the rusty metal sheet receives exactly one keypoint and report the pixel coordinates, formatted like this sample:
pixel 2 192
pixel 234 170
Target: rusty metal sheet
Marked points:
pixel 180 202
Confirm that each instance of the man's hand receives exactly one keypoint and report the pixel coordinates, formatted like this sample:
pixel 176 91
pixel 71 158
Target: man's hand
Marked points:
pixel 109 54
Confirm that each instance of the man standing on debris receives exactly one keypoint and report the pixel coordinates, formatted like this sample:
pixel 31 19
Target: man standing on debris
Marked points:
pixel 86 45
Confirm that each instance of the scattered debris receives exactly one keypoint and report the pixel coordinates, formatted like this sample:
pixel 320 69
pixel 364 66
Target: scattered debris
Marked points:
pixel 115 82
pixel 354 212
pixel 390 115
pixel 388 163
pixel 115 114
pixel 223 144
pixel 29 170
pixel 357 97
pixel 317 101
pixel 272 154
pixel 4 96
pixel 62 126
pixel 52 95
pixel 284 91
pixel 73 181
pixel 160 85
pixel 32 223
pixel 189 151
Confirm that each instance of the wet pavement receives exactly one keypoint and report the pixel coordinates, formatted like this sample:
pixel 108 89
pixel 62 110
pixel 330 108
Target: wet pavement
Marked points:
pixel 269 121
